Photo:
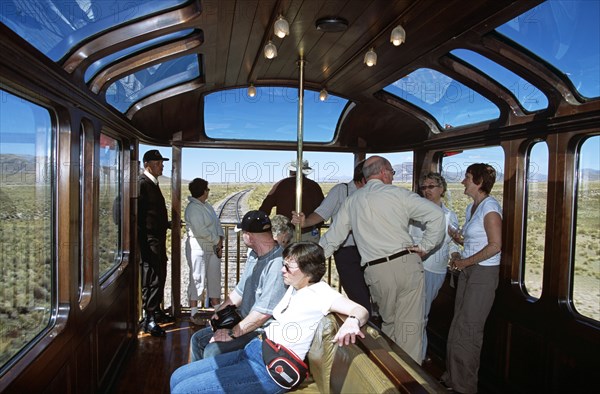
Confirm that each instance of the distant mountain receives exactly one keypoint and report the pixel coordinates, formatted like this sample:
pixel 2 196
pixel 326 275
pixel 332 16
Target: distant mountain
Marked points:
pixel 404 171
pixel 453 175
pixel 21 169
pixel 589 175
pixel 15 163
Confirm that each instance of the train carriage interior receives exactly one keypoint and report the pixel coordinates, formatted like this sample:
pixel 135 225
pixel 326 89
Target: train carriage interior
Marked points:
pixel 87 85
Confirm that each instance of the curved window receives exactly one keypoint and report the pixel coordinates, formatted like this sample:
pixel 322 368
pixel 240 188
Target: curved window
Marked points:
pixel 536 186
pixel 455 165
pixel 586 263
pixel 134 87
pixel 109 204
pixel 530 97
pixel 450 102
pixel 55 27
pixel 566 34
pixel 271 115
pixel 95 67
pixel 26 212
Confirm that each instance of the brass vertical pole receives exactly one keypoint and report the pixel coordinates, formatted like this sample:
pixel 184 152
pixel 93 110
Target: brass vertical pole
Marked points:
pixel 300 138
pixel 176 226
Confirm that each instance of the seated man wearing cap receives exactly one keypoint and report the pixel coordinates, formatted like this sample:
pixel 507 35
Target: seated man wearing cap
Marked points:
pixel 257 293
pixel 283 196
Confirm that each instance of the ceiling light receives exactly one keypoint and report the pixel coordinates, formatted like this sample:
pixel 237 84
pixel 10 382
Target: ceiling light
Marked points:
pixel 331 24
pixel 270 50
pixel 323 95
pixel 281 27
pixel 251 90
pixel 398 35
pixel 371 57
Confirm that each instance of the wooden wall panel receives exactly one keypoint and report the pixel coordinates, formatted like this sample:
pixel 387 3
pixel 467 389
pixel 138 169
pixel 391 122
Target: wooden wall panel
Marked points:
pixel 112 335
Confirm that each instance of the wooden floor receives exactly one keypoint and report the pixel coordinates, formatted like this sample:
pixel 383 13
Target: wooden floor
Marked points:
pixel 152 360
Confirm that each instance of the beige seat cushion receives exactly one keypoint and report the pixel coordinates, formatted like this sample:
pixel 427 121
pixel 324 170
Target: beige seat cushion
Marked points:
pixel 343 369
pixel 322 351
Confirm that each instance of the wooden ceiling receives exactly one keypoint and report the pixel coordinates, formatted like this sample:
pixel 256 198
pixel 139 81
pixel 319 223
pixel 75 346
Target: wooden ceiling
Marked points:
pixel 235 32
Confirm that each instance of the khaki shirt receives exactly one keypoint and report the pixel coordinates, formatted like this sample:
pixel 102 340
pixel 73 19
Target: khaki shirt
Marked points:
pixel 378 215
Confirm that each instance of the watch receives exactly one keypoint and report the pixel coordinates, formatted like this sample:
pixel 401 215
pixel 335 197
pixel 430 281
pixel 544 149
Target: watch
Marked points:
pixel 231 334
pixel 354 317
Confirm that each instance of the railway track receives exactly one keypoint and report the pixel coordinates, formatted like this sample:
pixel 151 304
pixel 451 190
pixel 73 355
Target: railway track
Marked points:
pixel 234 255
pixel 230 209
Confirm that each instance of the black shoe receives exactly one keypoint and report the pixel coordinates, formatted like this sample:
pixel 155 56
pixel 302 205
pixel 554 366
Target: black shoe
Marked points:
pixel 448 388
pixel 152 327
pixel 161 317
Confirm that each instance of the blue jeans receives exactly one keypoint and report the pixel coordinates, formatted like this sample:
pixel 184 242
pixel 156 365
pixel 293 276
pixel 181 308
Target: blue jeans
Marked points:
pixel 241 371
pixel 201 347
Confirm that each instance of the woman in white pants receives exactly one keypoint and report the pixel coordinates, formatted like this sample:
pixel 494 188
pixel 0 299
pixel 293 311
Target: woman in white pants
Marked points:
pixel 203 246
pixel 433 187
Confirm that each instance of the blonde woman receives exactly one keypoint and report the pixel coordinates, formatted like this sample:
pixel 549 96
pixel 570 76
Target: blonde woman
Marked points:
pixel 433 187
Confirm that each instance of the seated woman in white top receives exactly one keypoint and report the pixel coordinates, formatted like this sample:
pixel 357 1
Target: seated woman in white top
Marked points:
pixel 296 316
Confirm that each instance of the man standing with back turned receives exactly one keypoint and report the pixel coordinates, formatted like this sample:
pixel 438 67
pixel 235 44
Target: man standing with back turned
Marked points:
pixel 283 196
pixel 153 223
pixel 378 215
pixel 347 258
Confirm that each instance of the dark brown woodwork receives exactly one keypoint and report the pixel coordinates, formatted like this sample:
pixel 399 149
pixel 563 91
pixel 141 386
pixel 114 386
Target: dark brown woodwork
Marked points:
pixel 530 345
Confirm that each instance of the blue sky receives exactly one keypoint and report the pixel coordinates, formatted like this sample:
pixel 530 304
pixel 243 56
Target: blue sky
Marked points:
pixel 222 166
pixel 563 33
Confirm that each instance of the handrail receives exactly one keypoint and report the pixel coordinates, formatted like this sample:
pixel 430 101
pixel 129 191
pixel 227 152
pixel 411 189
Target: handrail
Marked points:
pixel 235 253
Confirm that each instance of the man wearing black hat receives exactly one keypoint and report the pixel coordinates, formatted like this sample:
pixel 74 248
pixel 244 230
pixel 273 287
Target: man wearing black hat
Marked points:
pixel 259 290
pixel 153 223
pixel 283 196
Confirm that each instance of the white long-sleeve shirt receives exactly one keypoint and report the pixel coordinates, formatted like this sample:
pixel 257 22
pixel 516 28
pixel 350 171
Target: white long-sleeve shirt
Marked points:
pixel 437 260
pixel 334 200
pixel 202 224
pixel 378 215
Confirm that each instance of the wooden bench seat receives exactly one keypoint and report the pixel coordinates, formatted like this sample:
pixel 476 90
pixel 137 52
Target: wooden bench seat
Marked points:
pixel 372 365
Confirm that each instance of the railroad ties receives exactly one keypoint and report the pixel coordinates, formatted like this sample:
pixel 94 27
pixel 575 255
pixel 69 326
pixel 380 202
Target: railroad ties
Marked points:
pixel 233 260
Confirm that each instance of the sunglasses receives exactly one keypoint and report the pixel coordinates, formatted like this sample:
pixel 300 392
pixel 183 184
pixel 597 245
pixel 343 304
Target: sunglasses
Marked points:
pixel 289 268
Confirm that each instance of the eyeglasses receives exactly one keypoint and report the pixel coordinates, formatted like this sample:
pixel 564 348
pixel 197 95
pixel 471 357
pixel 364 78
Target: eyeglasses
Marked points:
pixel 425 187
pixel 392 171
pixel 289 268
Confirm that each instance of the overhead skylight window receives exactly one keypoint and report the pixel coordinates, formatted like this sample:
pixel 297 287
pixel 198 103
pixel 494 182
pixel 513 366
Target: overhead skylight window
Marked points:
pixel 55 27
pixel 566 34
pixel 530 97
pixel 95 67
pixel 451 103
pixel 128 90
pixel 271 115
